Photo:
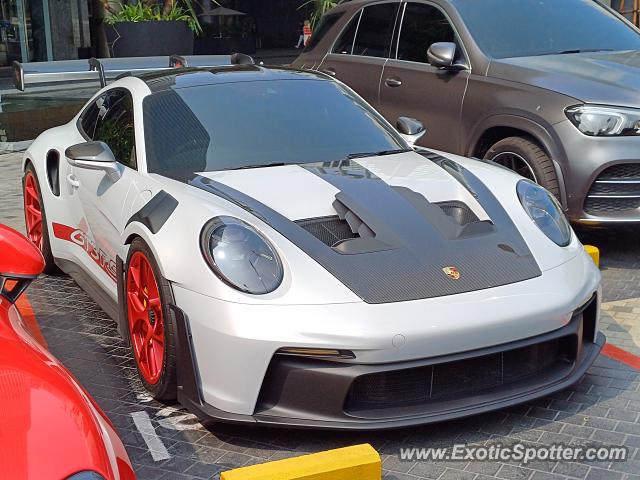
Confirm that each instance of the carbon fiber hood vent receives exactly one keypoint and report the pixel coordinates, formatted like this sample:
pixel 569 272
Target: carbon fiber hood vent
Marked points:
pixel 329 230
pixel 390 244
pixel 458 212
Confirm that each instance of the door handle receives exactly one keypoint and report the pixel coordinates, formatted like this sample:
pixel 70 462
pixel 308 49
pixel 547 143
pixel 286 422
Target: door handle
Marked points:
pixel 393 82
pixel 329 71
pixel 73 181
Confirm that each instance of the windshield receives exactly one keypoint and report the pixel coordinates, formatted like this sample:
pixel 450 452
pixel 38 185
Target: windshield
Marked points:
pixel 259 123
pixel 542 27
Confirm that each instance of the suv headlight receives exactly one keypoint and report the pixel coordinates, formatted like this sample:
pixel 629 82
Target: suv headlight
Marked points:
pixel 603 121
pixel 240 256
pixel 545 211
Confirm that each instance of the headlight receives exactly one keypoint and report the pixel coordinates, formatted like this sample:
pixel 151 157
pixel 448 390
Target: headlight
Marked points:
pixel 545 211
pixel 601 121
pixel 240 256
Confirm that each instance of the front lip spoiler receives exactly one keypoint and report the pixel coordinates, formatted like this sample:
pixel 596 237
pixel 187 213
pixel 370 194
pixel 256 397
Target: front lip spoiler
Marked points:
pixel 206 411
pixel 190 397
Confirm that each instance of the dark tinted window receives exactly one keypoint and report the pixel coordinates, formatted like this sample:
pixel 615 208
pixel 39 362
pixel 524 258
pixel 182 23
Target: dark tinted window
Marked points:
pixel 234 125
pixel 422 26
pixel 345 42
pixel 508 28
pixel 88 120
pixel 374 32
pixel 115 125
pixel 326 23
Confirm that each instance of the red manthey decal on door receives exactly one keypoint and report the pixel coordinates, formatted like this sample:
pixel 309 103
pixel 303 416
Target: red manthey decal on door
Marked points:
pixel 81 238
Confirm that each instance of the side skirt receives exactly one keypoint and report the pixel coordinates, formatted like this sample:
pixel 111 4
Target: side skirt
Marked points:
pixel 121 318
pixel 90 286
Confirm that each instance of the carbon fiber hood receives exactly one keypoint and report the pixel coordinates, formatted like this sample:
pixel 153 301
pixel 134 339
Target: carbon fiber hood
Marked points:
pixel 392 244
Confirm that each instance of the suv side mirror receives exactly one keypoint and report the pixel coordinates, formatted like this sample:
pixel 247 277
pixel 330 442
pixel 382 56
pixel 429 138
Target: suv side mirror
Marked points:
pixel 410 129
pixel 443 55
pixel 20 263
pixel 94 156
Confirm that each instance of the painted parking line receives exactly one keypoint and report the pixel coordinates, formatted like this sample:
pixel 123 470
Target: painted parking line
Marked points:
pixel 154 443
pixel 620 355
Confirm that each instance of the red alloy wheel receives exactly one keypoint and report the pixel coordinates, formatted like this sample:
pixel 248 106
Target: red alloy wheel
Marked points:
pixel 33 210
pixel 146 322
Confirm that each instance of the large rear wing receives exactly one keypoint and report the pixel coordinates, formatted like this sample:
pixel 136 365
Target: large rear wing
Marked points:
pixel 103 70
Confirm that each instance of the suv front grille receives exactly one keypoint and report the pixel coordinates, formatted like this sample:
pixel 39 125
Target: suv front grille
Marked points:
pixel 616 190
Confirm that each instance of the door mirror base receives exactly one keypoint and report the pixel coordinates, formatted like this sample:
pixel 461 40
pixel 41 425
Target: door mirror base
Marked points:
pixel 94 156
pixel 443 55
pixel 410 129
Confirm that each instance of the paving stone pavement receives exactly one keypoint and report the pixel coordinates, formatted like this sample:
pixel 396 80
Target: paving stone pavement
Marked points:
pixel 602 409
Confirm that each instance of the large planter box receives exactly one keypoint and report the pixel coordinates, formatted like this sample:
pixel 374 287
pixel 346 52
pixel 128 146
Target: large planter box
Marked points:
pixel 224 46
pixel 146 39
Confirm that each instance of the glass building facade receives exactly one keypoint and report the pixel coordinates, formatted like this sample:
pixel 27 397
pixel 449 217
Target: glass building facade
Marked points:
pixel 41 30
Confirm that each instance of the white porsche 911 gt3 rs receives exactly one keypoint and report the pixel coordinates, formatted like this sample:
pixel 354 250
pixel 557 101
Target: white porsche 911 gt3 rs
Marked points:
pixel 277 253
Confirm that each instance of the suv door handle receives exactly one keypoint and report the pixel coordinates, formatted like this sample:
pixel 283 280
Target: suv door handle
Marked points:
pixel 393 82
pixel 329 71
pixel 73 181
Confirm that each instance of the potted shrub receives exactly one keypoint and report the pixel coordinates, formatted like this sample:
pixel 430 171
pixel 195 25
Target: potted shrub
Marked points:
pixel 147 27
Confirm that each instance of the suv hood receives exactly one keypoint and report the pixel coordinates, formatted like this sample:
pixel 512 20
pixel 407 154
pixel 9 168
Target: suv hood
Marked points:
pixel 610 78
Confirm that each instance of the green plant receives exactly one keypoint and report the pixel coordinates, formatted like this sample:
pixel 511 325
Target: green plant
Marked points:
pixel 150 10
pixel 320 7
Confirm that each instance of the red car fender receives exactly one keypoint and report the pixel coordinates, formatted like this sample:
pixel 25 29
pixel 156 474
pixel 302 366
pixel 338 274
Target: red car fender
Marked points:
pixel 51 428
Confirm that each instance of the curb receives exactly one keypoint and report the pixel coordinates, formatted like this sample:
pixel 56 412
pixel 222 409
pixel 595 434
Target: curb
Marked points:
pixel 360 462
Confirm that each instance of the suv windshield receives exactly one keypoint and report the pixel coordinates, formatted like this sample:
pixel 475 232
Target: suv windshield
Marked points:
pixel 544 27
pixel 259 123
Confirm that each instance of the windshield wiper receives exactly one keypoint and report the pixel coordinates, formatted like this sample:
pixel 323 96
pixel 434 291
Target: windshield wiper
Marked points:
pixel 577 50
pixel 260 165
pixel 378 154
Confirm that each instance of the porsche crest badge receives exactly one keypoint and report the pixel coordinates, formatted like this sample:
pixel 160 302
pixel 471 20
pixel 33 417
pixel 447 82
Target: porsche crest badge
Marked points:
pixel 452 272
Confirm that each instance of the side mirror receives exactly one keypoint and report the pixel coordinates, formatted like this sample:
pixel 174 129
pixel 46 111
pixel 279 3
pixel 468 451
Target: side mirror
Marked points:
pixel 20 263
pixel 443 55
pixel 410 129
pixel 94 156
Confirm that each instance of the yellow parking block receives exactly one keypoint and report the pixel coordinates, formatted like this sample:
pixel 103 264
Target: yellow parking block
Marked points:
pixel 594 252
pixel 360 462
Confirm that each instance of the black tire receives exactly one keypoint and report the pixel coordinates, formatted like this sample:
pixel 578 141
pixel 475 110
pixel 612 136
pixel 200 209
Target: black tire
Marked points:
pixel 535 157
pixel 50 267
pixel 165 390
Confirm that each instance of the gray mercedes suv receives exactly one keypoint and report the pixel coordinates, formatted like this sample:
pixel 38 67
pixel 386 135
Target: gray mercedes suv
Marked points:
pixel 548 88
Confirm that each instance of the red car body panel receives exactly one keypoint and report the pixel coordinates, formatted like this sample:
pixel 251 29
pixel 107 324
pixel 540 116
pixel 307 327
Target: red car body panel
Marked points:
pixel 50 428
pixel 16 260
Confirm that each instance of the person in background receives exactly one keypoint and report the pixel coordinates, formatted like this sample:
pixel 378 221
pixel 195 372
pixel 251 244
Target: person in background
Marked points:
pixel 301 41
pixel 306 31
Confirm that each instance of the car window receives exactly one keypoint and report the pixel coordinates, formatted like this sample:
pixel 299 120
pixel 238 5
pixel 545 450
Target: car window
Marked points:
pixel 506 28
pixel 115 125
pixel 373 38
pixel 326 23
pixel 88 121
pixel 344 45
pixel 204 128
pixel 422 26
